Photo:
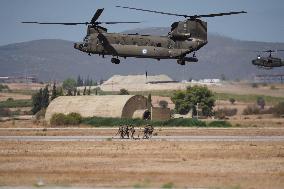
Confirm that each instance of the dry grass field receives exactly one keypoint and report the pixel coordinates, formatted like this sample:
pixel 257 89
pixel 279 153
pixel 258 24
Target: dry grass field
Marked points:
pixel 143 164
pixel 148 164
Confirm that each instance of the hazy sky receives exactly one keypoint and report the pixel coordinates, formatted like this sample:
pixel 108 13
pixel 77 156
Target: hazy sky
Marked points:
pixel 264 21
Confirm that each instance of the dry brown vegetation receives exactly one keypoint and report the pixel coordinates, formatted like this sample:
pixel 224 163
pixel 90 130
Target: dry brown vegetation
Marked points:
pixel 143 163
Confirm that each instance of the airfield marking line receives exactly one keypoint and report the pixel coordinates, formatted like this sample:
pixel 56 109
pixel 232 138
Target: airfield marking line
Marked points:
pixel 154 138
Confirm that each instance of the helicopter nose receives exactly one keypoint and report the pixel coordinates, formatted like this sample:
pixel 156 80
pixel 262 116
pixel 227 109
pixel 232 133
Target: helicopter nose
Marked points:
pixel 78 46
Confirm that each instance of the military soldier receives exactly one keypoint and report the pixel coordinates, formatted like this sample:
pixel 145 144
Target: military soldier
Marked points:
pixel 121 131
pixel 126 131
pixel 132 131
pixel 148 131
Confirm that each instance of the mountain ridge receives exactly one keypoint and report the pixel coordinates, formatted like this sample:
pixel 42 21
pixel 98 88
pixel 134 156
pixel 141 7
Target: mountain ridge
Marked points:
pixel 56 59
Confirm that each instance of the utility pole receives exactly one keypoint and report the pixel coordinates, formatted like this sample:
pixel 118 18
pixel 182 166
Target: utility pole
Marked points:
pixel 197 108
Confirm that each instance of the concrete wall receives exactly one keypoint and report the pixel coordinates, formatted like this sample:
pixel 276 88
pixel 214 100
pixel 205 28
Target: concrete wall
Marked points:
pixel 160 113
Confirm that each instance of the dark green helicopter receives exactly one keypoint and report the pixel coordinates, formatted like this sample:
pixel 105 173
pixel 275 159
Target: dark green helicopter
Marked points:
pixel 268 62
pixel 184 38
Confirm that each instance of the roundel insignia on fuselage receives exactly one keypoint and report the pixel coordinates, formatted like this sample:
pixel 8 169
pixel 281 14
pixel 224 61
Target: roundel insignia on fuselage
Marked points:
pixel 144 51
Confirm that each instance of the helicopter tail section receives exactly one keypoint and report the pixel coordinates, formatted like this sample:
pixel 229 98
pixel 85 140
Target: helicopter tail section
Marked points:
pixel 188 29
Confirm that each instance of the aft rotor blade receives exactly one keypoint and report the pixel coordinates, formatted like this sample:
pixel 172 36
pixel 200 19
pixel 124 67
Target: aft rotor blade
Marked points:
pixel 158 12
pixel 218 14
pixel 184 15
pixel 97 15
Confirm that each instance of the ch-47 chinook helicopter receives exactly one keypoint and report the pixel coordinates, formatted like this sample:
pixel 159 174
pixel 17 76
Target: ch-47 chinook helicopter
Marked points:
pixel 185 37
pixel 268 62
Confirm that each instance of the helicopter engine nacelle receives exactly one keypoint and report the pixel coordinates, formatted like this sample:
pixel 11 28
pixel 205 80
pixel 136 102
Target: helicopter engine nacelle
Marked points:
pixel 179 36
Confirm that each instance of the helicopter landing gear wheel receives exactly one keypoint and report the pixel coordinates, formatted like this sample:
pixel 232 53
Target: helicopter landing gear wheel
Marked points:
pixel 115 61
pixel 181 62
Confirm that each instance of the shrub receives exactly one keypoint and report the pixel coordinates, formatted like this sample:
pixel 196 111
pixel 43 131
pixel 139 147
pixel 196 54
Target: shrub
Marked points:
pixel 168 185
pixel 58 119
pixel 278 110
pixel 15 103
pixel 272 87
pixel 110 122
pixel 232 100
pixel 224 112
pixel 251 110
pixel 219 124
pixel 254 85
pixel 10 99
pixel 4 87
pixel 62 119
pixel 5 112
pixel 73 119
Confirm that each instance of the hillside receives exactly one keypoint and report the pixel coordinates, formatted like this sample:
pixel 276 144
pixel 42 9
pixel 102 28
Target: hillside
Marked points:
pixel 56 60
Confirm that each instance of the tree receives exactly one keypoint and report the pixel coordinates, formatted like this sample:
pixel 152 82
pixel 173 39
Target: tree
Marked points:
pixel 69 92
pixel 75 91
pixel 45 98
pixel 187 100
pixel 89 91
pixel 59 91
pixel 37 101
pixel 163 104
pixel 223 77
pixel 85 89
pixel 80 81
pixel 53 92
pixel 123 92
pixel 78 93
pixel 69 85
pixel 260 102
pixel 232 100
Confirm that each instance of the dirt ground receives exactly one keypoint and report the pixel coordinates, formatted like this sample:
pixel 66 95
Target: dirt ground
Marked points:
pixel 143 164
pixel 15 96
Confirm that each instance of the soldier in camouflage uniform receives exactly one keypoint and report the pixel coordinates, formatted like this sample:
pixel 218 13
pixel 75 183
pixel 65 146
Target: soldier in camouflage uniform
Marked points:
pixel 126 131
pixel 132 131
pixel 121 131
pixel 148 131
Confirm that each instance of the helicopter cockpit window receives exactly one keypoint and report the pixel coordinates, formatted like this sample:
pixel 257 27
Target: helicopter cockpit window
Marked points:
pixel 86 39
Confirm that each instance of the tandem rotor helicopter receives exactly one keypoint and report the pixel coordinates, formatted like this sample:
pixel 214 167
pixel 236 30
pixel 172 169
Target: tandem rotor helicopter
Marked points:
pixel 184 38
pixel 268 62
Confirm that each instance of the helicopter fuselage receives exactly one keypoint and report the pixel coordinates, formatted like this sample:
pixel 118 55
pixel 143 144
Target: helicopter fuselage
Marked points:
pixel 268 62
pixel 185 37
pixel 139 46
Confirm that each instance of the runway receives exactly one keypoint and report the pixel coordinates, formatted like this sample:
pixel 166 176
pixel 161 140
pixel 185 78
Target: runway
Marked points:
pixel 154 138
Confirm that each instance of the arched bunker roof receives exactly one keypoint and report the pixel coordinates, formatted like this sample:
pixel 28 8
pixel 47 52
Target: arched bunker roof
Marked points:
pixel 121 106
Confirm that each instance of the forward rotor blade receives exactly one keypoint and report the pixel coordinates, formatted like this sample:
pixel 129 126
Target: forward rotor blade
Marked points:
pixel 96 16
pixel 119 22
pixel 59 23
pixel 184 15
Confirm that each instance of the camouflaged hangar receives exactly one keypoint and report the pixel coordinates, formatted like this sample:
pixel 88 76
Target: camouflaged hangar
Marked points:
pixel 119 106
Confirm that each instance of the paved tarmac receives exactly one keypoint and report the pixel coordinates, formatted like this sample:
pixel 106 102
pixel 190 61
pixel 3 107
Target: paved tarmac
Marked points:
pixel 154 138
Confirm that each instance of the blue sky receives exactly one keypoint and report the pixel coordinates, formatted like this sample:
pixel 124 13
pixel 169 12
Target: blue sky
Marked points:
pixel 264 21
